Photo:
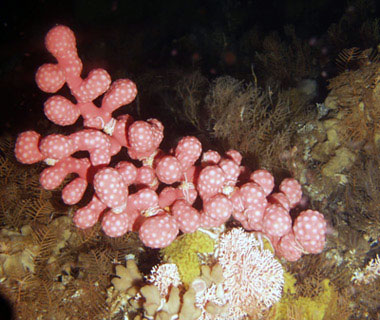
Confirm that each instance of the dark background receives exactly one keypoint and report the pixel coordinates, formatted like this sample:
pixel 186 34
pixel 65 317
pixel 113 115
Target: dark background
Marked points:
pixel 130 38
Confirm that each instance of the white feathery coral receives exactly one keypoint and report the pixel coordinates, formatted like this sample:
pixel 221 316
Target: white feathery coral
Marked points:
pixel 253 277
pixel 369 273
pixel 164 276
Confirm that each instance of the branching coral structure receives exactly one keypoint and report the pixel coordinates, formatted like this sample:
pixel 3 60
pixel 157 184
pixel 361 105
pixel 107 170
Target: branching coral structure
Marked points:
pixel 253 277
pixel 243 280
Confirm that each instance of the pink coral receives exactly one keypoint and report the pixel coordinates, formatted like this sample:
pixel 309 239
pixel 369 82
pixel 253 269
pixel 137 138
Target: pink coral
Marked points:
pixel 159 231
pixel 115 224
pixel 52 177
pixel 187 217
pixel 144 137
pixel 216 211
pixel 249 205
pixel 292 189
pixel 110 188
pixel 276 221
pixel 170 192
pixel 168 169
pixel 310 230
pixel 87 216
pixel 188 151
pixel 288 248
pixel 264 179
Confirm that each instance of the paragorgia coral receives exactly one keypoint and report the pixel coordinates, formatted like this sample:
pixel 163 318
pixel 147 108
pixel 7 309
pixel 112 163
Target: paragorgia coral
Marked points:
pixel 154 193
pixel 310 229
pixel 30 148
pixel 60 42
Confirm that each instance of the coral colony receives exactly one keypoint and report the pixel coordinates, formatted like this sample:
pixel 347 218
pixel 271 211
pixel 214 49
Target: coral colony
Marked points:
pixel 184 190
pixel 158 217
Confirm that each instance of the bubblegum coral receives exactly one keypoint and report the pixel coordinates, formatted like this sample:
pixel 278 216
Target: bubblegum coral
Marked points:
pixel 157 194
pixel 30 148
pixel 60 42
